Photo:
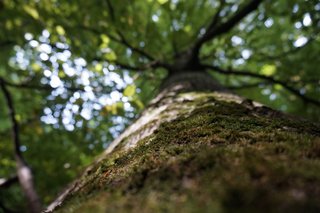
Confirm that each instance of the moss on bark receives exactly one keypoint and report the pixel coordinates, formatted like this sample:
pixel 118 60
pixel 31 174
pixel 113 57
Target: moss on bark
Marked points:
pixel 217 155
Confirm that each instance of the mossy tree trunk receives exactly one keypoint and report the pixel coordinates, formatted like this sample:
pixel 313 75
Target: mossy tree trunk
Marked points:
pixel 199 148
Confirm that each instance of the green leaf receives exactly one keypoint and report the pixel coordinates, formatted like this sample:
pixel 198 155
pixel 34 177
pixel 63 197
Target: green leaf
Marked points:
pixel 162 1
pixel 105 41
pixel 31 11
pixel 35 67
pixel 137 103
pixel 60 30
pixel 98 67
pixel 130 90
pixel 110 56
pixel 268 69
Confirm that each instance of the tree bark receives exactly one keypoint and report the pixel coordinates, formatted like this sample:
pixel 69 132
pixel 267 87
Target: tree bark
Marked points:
pixel 199 148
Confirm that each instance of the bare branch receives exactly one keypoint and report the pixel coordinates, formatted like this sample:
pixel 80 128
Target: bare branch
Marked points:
pixel 24 172
pixel 264 77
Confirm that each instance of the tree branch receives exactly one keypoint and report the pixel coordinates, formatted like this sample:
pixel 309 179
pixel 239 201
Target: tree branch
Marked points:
pixel 6 43
pixel 37 87
pixel 247 86
pixel 216 17
pixel 12 114
pixel 111 10
pixel 24 172
pixel 152 64
pixel 215 30
pixel 122 40
pixel 264 77
pixel 6 182
pixel 288 52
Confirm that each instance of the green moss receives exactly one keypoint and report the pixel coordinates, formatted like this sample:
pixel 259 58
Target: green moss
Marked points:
pixel 222 157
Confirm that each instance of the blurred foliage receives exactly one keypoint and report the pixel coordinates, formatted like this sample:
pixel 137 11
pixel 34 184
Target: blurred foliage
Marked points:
pixel 73 96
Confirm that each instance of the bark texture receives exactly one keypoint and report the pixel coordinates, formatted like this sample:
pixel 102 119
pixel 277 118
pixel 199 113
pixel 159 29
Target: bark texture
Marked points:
pixel 199 148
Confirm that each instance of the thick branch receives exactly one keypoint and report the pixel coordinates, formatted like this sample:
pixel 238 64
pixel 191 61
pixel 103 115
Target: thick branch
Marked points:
pixel 264 77
pixel 216 30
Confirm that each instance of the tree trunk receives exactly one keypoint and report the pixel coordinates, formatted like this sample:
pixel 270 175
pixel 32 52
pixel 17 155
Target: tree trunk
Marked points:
pixel 199 148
